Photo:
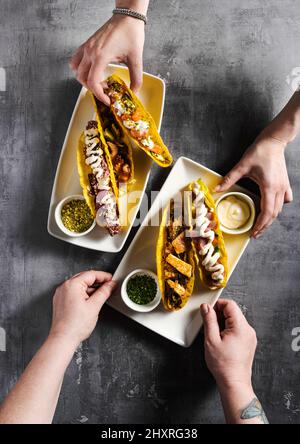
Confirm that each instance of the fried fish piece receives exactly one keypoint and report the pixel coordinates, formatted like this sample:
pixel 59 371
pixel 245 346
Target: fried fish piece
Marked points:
pixel 181 266
pixel 179 289
pixel 169 274
pixel 179 243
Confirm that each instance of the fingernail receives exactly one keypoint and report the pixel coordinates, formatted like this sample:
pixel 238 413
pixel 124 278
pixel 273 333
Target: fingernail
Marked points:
pixel 204 309
pixel 113 284
pixel 217 188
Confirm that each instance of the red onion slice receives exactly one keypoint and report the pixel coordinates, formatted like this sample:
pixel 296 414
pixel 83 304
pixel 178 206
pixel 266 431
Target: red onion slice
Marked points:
pixel 100 217
pixel 100 196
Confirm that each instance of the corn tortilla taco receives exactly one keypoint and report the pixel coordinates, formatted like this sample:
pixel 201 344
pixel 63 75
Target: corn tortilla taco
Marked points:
pixel 136 121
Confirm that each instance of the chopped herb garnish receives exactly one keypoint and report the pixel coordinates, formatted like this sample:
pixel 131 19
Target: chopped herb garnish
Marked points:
pixel 108 135
pixel 76 216
pixel 141 289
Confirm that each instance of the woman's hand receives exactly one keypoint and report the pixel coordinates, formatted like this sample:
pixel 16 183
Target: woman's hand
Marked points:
pixel 76 305
pixel 264 162
pixel 120 39
pixel 229 349
pixel 230 344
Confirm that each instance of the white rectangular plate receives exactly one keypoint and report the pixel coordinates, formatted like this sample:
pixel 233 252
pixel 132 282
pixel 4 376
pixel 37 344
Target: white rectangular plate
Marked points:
pixel 66 180
pixel 182 326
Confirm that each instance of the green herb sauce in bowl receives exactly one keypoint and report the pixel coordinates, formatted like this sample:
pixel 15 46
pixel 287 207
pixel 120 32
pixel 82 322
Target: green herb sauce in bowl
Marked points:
pixel 140 290
pixel 74 217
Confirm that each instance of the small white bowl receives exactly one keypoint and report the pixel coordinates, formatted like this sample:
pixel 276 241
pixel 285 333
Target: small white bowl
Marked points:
pixel 249 224
pixel 58 220
pixel 137 307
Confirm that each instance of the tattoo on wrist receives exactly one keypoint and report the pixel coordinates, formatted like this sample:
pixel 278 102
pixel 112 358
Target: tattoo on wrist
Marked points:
pixel 254 410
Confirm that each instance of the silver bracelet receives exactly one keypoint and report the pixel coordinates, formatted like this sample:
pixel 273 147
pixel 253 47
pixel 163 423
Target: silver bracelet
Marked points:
pixel 131 13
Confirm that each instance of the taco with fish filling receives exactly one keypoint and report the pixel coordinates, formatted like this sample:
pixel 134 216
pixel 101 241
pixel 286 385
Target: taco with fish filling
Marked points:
pixel 136 122
pixel 207 238
pixel 174 260
pixel 95 179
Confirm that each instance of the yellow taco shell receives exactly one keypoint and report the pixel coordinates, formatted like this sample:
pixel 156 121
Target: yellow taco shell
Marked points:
pixel 145 115
pixel 161 257
pixel 124 138
pixel 210 203
pixel 114 184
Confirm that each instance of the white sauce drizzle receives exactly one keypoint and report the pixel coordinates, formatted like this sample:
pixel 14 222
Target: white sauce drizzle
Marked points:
pixel 148 142
pixel 95 159
pixel 210 261
pixel 130 124
pixel 119 107
pixel 140 126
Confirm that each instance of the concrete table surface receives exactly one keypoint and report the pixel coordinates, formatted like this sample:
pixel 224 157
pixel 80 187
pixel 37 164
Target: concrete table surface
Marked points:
pixel 226 66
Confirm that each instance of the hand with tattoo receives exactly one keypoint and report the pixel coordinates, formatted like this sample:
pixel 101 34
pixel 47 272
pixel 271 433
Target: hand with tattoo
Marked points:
pixel 230 344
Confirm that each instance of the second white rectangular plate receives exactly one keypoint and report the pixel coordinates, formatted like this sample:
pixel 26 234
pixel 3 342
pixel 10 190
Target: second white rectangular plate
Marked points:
pixel 66 181
pixel 182 326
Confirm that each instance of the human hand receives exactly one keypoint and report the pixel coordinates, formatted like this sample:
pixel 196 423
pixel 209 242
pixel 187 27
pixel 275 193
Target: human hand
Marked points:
pixel 120 39
pixel 264 163
pixel 76 305
pixel 229 352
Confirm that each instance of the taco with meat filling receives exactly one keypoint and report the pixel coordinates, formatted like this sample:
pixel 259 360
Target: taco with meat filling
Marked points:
pixel 97 182
pixel 105 167
pixel 136 121
pixel 117 146
pixel 206 237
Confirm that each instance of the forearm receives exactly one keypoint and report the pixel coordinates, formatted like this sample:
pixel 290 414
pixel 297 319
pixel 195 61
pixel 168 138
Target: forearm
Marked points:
pixel 286 124
pixel 241 405
pixel 34 398
pixel 140 6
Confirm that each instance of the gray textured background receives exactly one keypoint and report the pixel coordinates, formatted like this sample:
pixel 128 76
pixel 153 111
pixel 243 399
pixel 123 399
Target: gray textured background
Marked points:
pixel 225 64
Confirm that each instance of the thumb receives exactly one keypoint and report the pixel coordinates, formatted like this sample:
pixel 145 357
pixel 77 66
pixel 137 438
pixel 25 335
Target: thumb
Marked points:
pixel 210 323
pixel 100 296
pixel 231 178
pixel 135 66
pixel 288 196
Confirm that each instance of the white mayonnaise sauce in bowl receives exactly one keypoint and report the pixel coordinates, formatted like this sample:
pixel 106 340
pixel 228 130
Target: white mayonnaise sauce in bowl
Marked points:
pixel 236 212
